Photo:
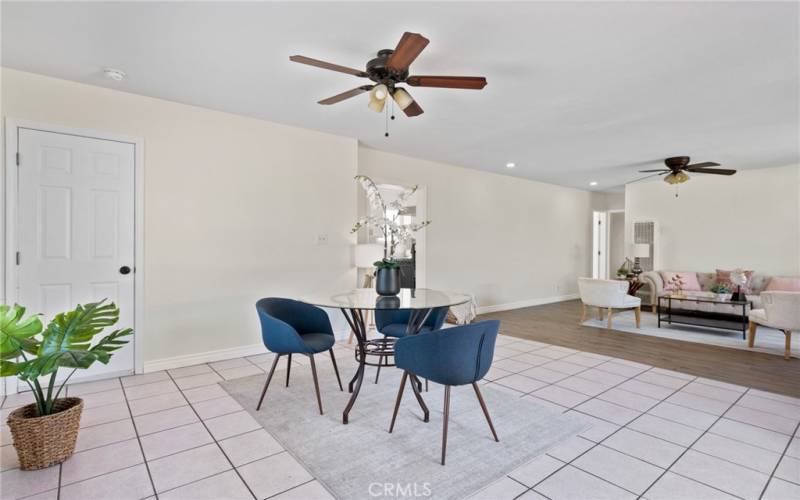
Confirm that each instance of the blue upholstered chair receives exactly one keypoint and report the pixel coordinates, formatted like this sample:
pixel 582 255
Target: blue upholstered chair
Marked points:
pixel 394 323
pixel 291 327
pixel 453 356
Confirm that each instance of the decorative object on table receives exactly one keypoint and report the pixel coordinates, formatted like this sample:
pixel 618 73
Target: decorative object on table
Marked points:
pixel 607 295
pixel 387 223
pixel 454 356
pixel 45 431
pixel 677 167
pixel 782 312
pixel 291 327
pixel 640 250
pixel 739 278
pixel 675 285
pixel 720 290
pixel 387 280
pixel 625 269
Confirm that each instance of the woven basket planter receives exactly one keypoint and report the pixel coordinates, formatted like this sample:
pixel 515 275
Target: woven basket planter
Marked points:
pixel 44 441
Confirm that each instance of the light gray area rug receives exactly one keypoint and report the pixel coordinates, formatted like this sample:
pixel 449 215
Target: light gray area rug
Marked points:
pixel 768 340
pixel 362 460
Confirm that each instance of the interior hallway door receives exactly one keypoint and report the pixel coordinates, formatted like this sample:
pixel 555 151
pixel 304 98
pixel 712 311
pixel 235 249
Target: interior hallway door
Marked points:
pixel 75 229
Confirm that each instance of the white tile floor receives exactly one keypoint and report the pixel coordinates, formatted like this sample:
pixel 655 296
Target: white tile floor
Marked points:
pixel 655 434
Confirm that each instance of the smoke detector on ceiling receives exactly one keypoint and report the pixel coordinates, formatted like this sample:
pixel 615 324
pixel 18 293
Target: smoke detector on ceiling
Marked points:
pixel 114 74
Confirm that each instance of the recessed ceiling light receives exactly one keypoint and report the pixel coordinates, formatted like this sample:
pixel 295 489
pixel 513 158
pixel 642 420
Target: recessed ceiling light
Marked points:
pixel 114 74
pixel 511 164
pixel 593 183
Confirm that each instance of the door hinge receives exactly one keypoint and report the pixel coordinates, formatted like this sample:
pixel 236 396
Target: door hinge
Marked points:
pixel 17 258
pixel 17 158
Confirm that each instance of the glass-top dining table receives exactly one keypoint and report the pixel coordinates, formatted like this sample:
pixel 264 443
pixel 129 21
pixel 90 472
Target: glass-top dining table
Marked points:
pixel 418 301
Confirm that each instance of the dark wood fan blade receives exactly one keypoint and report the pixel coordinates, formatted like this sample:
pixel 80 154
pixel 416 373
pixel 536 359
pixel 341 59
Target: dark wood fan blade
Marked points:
pixel 448 82
pixel 655 170
pixel 408 48
pixel 327 65
pixel 701 165
pixel 346 95
pixel 413 109
pixel 717 171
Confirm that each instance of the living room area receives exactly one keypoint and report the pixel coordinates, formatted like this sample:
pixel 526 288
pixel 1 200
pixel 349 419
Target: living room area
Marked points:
pixel 537 250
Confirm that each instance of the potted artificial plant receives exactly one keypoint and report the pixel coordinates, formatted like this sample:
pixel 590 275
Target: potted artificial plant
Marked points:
pixel 720 290
pixel 44 432
pixel 388 223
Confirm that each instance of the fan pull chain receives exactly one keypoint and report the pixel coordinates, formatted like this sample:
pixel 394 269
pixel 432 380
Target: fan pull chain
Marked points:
pixel 386 125
pixel 392 104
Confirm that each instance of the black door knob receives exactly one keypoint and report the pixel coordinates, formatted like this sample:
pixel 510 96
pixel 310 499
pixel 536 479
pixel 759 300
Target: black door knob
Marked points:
pixel 124 270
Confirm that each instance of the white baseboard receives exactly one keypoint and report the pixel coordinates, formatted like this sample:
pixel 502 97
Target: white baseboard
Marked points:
pixel 218 355
pixel 526 303
pixel 203 357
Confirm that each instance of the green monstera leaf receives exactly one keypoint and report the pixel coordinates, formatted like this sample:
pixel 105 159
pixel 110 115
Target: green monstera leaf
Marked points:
pixel 17 334
pixel 65 343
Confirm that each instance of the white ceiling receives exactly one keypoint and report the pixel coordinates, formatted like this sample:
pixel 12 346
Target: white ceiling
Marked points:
pixel 577 92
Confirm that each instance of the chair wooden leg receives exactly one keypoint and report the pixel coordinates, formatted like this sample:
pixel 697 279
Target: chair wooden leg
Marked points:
pixel 399 398
pixel 350 338
pixel 378 372
pixel 751 334
pixel 787 355
pixel 485 410
pixel 269 378
pixel 600 313
pixel 638 313
pixel 583 313
pixel 610 311
pixel 316 382
pixel 288 369
pixel 336 369
pixel 444 420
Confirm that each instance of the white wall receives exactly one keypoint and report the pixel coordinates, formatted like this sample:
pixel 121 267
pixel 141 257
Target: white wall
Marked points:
pixel 504 239
pixel 233 207
pixel 749 220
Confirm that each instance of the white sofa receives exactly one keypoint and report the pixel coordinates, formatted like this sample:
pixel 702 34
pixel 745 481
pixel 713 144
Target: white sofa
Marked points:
pixel 655 284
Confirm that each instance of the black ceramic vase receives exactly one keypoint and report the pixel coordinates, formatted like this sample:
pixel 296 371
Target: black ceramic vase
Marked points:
pixel 387 281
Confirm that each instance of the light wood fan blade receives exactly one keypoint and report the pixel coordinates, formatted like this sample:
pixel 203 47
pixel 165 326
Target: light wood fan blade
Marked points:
pixel 408 48
pixel 326 65
pixel 448 82
pixel 717 171
pixel 346 95
pixel 413 109
pixel 702 165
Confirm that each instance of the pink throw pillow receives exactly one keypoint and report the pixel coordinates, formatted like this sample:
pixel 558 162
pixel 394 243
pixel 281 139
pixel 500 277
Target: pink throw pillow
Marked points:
pixel 783 284
pixel 724 277
pixel 690 282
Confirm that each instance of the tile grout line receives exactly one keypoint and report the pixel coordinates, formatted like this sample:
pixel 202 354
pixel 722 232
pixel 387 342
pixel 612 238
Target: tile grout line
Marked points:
pixel 778 463
pixel 214 438
pixel 668 469
pixel 292 488
pixel 532 488
pixel 138 440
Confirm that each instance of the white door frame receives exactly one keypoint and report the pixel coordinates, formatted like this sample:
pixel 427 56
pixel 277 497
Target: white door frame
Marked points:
pixel 9 272
pixel 600 244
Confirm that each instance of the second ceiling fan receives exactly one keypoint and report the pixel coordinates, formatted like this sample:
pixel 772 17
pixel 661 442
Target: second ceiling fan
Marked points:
pixel 389 69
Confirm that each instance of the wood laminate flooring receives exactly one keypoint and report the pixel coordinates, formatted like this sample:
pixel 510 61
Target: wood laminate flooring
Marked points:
pixel 558 324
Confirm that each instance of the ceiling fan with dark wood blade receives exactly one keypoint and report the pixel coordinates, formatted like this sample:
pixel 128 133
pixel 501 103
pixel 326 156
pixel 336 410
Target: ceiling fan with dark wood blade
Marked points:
pixel 677 167
pixel 391 68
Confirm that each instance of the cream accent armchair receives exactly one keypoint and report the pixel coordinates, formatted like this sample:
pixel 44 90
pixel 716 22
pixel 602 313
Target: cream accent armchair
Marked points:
pixel 781 311
pixel 609 295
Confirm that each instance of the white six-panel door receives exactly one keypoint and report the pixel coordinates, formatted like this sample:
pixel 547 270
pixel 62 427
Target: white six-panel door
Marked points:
pixel 75 229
